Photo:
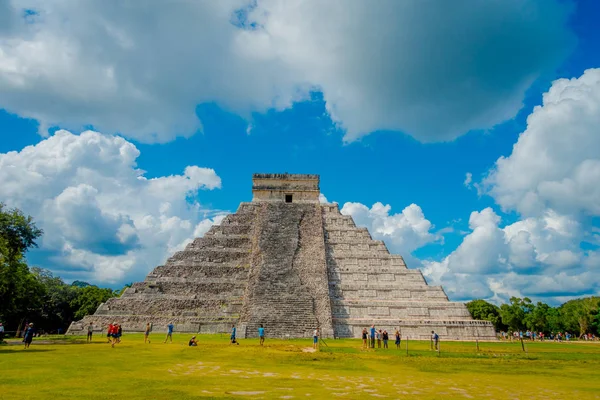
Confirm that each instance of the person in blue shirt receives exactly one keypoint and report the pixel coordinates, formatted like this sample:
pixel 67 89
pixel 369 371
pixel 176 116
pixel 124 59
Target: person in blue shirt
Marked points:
pixel 435 339
pixel 372 336
pixel 261 334
pixel 232 339
pixel 169 332
pixel 28 336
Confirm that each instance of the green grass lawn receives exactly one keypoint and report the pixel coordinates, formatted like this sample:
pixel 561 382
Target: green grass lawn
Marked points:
pixel 71 369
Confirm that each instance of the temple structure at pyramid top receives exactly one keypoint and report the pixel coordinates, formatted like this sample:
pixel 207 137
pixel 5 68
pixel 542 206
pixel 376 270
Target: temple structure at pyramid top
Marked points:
pixel 291 264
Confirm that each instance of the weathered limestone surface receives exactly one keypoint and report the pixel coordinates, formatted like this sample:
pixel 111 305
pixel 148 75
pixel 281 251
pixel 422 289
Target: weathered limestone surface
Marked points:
pixel 291 264
pixel 368 285
pixel 199 289
pixel 287 290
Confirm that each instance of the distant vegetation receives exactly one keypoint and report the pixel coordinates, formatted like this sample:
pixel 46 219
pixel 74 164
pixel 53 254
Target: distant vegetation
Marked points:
pixel 577 316
pixel 34 294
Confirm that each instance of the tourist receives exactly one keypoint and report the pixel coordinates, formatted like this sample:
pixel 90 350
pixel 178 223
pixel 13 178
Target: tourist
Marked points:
pixel 378 336
pixel 364 337
pixel 1 332
pixel 435 338
pixel 232 338
pixel 119 333
pixel 28 336
pixel 398 339
pixel 114 334
pixel 193 341
pixel 109 333
pixel 170 328
pixel 90 331
pixel 385 338
pixel 261 335
pixel 147 332
pixel 316 339
pixel 372 336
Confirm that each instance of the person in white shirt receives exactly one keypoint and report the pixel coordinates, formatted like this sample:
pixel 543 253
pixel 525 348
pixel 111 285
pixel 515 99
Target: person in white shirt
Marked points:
pixel 316 339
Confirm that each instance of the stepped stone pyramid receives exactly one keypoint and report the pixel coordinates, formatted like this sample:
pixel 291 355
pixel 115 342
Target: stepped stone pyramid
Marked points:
pixel 289 263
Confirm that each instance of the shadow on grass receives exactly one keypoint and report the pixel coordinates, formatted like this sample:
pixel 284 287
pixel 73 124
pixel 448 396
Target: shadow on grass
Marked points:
pixel 15 351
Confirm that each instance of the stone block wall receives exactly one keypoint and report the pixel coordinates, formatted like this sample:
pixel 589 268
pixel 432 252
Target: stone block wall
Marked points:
pixel 287 289
pixel 368 285
pixel 199 289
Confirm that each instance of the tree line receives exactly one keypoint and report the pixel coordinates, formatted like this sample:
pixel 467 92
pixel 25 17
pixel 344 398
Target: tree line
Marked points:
pixel 578 317
pixel 35 294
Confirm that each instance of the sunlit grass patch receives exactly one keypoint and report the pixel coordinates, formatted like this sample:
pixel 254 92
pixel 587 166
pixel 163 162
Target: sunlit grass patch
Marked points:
pixel 70 368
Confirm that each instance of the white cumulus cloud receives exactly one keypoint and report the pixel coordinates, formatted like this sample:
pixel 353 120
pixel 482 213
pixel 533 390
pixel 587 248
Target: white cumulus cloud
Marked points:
pixel 103 219
pixel 552 180
pixel 556 161
pixel 434 69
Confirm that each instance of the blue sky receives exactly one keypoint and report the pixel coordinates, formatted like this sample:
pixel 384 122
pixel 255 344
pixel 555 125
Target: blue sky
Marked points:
pixel 390 114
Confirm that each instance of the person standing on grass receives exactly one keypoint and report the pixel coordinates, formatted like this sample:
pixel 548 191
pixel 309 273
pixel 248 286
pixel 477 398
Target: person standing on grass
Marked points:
pixel 261 334
pixel 147 332
pixel 435 337
pixel 232 338
pixel 114 334
pixel 372 336
pixel 109 332
pixel 378 336
pixel 28 336
pixel 385 338
pixel 119 333
pixel 90 331
pixel 398 339
pixel 1 332
pixel 364 337
pixel 170 328
pixel 316 338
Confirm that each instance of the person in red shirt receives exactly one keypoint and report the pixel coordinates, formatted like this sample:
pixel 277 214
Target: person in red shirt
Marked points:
pixel 114 333
pixel 109 333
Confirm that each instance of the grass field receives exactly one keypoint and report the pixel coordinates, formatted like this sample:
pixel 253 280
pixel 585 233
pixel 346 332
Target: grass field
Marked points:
pixel 72 369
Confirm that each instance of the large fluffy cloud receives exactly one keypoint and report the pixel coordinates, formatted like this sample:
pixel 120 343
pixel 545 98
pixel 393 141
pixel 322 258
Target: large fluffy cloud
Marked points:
pixel 103 219
pixel 556 161
pixel 433 69
pixel 552 180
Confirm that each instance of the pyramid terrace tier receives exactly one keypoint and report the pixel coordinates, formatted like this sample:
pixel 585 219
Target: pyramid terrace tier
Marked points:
pixel 376 274
pixel 351 291
pixel 169 305
pixel 379 309
pixel 418 329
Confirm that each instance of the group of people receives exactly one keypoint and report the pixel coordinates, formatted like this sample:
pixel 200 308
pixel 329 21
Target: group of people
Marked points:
pixel 379 336
pixel 233 338
pixel 148 331
pixel 372 335
pixel 114 333
pixel 541 336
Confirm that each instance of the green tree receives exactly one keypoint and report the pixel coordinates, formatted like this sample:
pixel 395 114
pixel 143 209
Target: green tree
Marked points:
pixel 577 314
pixel 20 292
pixel 482 310
pixel 554 321
pixel 18 232
pixel 513 314
pixel 537 319
pixel 56 311
pixel 88 299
